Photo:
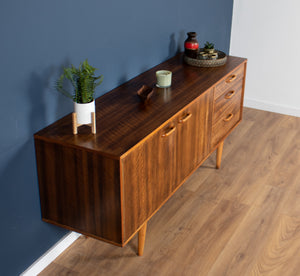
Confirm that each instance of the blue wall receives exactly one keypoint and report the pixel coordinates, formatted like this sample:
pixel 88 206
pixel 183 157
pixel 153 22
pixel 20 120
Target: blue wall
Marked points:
pixel 121 38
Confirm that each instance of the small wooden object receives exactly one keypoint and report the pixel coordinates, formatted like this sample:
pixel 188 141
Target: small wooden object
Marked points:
pixel 76 125
pixel 145 92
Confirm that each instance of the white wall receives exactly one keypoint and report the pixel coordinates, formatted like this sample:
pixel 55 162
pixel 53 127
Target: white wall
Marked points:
pixel 267 32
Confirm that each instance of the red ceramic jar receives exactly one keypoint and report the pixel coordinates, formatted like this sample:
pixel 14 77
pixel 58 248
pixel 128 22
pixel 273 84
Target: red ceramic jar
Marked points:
pixel 191 45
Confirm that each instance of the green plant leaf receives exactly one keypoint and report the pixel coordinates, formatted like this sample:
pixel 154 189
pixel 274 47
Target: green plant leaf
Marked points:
pixel 209 45
pixel 83 81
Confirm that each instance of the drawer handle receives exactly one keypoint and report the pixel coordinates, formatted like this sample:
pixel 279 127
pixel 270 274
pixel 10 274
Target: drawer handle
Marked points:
pixel 185 118
pixel 228 118
pixel 169 132
pixel 231 78
pixel 229 95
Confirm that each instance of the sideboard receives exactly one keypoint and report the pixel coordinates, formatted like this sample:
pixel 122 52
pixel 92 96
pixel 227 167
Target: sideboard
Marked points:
pixel 109 184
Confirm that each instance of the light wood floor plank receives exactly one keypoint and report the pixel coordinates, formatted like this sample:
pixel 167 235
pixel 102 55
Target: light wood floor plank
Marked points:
pixel 168 241
pixel 201 249
pixel 250 236
pixel 57 269
pixel 286 174
pixel 263 154
pixel 280 255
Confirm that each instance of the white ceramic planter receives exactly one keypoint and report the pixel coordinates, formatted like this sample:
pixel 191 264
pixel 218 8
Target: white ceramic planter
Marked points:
pixel 84 112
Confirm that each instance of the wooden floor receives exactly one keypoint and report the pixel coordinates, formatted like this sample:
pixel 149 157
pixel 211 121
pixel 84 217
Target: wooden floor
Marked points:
pixel 243 219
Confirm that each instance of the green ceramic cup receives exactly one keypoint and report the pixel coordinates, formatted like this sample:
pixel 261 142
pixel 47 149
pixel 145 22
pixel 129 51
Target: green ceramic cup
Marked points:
pixel 164 78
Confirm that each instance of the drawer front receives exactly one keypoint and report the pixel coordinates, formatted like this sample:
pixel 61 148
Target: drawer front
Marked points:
pixel 228 98
pixel 230 81
pixel 226 118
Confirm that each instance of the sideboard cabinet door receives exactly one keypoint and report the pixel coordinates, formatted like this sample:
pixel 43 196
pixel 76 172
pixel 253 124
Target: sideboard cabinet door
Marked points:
pixel 148 177
pixel 193 135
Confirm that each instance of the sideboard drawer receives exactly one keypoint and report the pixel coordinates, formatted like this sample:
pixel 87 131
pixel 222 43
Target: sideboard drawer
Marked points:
pixel 229 81
pixel 229 97
pixel 226 118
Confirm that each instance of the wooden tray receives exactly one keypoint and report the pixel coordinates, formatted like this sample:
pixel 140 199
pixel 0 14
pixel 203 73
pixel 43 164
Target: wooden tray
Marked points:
pixel 221 60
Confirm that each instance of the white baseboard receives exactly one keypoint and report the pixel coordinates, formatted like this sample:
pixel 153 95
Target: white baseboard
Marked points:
pixel 42 262
pixel 282 109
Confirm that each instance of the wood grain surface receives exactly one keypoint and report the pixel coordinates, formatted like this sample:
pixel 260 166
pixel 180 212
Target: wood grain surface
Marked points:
pixel 79 190
pixel 226 84
pixel 118 130
pixel 242 219
pixel 155 169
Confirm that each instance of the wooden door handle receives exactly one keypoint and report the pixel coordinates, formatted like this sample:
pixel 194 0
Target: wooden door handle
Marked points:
pixel 230 94
pixel 185 118
pixel 231 78
pixel 169 131
pixel 228 118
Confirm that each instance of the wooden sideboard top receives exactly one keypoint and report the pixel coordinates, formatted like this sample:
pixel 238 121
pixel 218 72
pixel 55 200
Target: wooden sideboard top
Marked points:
pixel 123 121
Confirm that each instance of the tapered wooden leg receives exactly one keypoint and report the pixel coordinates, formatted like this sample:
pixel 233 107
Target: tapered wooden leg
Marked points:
pixel 142 237
pixel 219 155
pixel 93 123
pixel 74 119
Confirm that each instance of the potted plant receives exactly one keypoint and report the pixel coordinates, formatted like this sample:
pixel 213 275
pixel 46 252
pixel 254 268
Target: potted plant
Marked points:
pixel 84 83
pixel 209 47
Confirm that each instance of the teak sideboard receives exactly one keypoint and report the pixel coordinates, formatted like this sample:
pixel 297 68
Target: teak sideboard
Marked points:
pixel 109 184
